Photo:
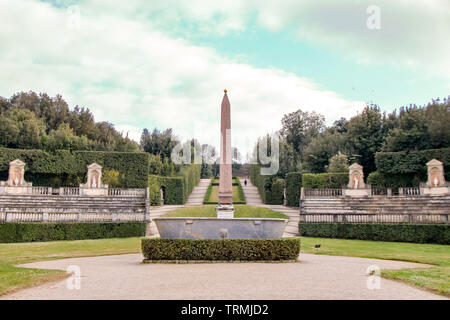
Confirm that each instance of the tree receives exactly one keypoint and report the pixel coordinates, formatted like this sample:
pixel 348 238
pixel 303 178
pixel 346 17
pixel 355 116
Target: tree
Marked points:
pixel 20 128
pixel 298 128
pixel 64 138
pixel 318 152
pixel 158 142
pixel 366 133
pixel 338 163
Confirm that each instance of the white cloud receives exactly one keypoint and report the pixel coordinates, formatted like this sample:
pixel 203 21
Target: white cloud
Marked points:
pixel 129 73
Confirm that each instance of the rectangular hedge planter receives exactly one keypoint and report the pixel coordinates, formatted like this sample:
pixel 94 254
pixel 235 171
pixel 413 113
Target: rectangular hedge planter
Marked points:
pixel 157 249
pixel 33 232
pixel 399 232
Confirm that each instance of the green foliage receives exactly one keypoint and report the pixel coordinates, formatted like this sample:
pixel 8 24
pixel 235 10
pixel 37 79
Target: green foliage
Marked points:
pixel 154 189
pixel 176 189
pixel 70 166
pixel 366 133
pixel 112 178
pixel 11 232
pixel 158 143
pixel 28 120
pixel 419 128
pixel 403 169
pixel 264 183
pixel 338 163
pixel 298 128
pixel 278 186
pixel 20 128
pixel 221 249
pixel 318 152
pixel 324 180
pixel 399 232
pixel 293 188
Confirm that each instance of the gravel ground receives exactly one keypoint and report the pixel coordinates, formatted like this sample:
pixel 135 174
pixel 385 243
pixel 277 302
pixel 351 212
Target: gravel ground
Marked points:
pixel 313 277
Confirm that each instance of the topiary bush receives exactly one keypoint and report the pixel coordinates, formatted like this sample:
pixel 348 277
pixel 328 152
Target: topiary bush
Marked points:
pixel 398 232
pixel 220 249
pixel 11 232
pixel 293 188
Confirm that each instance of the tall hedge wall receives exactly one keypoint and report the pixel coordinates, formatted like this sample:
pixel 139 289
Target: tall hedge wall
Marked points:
pixel 324 180
pixel 409 168
pixel 11 232
pixel 69 167
pixel 176 188
pixel 270 187
pixel 293 188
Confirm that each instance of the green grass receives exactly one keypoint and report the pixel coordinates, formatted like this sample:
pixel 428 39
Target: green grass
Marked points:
pixel 435 279
pixel 242 211
pixel 212 195
pixel 13 278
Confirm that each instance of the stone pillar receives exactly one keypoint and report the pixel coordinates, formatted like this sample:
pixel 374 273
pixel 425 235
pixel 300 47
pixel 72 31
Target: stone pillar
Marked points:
pixel 93 185
pixel 225 207
pixel 436 184
pixel 16 183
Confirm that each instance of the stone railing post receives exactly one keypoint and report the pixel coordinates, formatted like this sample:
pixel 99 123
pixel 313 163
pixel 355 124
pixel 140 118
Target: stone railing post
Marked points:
pixel 400 191
pixel 302 194
pixel 389 192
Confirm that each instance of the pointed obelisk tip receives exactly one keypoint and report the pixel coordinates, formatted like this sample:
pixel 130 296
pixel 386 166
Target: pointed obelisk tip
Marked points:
pixel 225 90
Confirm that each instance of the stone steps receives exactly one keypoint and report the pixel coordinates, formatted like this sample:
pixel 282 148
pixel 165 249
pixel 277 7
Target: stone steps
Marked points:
pixel 198 193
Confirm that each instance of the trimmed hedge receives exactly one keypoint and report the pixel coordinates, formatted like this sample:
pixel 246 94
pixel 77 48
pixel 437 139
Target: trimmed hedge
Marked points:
pixel 177 188
pixel 293 188
pixel 265 184
pixel 221 249
pixel 324 180
pixel 68 168
pixel 398 232
pixel 409 167
pixel 11 232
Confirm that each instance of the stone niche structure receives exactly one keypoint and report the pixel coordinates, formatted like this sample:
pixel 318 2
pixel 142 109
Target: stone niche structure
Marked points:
pixel 93 185
pixel 436 184
pixel 356 186
pixel 16 183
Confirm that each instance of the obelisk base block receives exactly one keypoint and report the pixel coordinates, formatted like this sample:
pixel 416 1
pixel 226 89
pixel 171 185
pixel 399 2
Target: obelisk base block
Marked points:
pixel 225 211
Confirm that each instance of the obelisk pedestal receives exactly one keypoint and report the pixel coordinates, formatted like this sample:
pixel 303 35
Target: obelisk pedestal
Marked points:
pixel 225 207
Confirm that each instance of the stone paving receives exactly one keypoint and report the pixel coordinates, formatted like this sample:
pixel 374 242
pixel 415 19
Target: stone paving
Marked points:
pixel 313 277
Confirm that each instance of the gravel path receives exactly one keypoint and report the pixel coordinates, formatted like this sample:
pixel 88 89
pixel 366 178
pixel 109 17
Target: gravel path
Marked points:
pixel 314 277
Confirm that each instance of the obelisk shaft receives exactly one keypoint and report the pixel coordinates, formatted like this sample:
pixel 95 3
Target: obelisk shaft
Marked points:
pixel 225 180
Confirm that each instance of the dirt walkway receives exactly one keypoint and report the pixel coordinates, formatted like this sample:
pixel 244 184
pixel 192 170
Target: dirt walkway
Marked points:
pixel 314 277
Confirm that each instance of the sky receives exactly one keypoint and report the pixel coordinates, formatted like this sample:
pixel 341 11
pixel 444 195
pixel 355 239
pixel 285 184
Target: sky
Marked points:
pixel 164 64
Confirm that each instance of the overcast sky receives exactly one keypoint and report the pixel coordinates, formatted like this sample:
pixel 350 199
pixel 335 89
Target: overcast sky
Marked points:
pixel 165 63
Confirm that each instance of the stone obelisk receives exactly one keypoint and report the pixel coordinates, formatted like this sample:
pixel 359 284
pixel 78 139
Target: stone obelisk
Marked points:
pixel 225 208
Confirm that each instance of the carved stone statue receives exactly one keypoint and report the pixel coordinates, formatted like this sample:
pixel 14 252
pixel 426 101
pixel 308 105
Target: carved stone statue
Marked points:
pixel 356 177
pixel 16 183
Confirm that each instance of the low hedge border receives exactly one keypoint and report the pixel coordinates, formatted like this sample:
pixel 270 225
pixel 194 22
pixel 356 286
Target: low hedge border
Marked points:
pixel 398 232
pixel 12 232
pixel 183 250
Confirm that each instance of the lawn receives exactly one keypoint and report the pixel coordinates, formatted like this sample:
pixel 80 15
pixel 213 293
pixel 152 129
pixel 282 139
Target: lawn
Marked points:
pixel 242 211
pixel 435 279
pixel 212 195
pixel 12 278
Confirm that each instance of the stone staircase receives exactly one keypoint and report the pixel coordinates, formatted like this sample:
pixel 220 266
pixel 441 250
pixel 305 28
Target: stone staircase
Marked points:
pixel 426 209
pixel 253 198
pixel 67 208
pixel 198 193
